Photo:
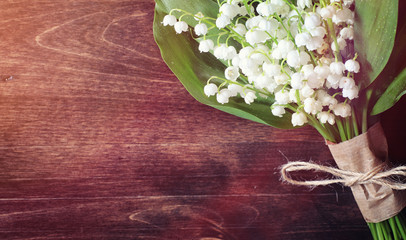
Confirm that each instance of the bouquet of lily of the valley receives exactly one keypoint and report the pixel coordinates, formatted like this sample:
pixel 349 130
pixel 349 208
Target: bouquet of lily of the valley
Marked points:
pixel 285 63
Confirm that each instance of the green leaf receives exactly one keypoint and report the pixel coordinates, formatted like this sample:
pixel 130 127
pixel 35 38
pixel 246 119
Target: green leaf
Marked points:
pixel 374 36
pixel 392 94
pixel 193 69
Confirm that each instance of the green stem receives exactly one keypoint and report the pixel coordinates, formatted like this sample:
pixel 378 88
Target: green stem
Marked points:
pixel 347 128
pixel 387 230
pixel 368 94
pixel 379 230
pixel 394 229
pixel 400 227
pixel 354 122
pixel 341 129
pixel 373 230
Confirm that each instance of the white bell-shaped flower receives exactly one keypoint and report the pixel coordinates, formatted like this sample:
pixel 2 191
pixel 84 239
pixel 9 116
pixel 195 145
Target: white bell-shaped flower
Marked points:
pixel 337 68
pixel 253 22
pixel 293 59
pixel 223 96
pixel 201 29
pixel 315 43
pixel 234 89
pixel 341 109
pixel 180 27
pixel 318 32
pixel 302 4
pixel 281 79
pixel 250 97
pixel 262 81
pixel 347 33
pixel 341 44
pixel 351 93
pixel 256 36
pixel 302 39
pixel 327 12
pixel 284 47
pixel 342 16
pixel 312 21
pixel 232 73
pixel 307 70
pixel 314 81
pixel 240 29
pixel 296 81
pixel 206 45
pixel 299 119
pixel 210 89
pixel 264 9
pixel 229 10
pixel 352 66
pixel 169 20
pixel 346 83
pixel 322 71
pixel 333 80
pixel 306 91
pixel 325 98
pixel 312 106
pixel 220 52
pixel 222 21
pixel 326 117
pixel 282 97
pixel 271 69
pixel 270 26
pixel 278 111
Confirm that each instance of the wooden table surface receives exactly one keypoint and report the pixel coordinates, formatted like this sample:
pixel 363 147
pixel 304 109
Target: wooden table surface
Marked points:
pixel 99 140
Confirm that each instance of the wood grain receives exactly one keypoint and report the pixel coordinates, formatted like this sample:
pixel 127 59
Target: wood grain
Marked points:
pixel 99 140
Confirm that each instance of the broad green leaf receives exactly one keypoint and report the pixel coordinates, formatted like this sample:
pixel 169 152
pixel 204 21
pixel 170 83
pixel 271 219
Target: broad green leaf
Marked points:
pixel 193 69
pixel 374 36
pixel 395 65
pixel 392 94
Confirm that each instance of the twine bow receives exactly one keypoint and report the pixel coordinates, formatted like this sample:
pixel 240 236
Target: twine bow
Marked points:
pixel 348 178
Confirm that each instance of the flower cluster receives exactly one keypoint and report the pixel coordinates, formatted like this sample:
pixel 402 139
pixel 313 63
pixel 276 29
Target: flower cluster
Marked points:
pixel 296 56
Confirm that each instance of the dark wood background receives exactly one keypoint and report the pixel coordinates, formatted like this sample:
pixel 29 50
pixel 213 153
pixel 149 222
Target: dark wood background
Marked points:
pixel 99 140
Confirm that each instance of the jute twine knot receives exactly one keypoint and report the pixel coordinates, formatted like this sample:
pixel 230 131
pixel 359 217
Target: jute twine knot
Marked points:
pixel 377 175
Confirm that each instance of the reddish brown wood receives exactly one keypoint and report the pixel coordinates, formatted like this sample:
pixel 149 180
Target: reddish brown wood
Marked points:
pixel 98 140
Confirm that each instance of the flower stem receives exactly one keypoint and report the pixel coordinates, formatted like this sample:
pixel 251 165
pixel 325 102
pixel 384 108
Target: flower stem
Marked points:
pixel 354 122
pixel 372 228
pixel 400 227
pixel 341 129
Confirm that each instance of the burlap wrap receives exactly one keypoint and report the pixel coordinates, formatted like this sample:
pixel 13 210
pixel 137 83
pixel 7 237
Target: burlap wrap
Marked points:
pixel 361 154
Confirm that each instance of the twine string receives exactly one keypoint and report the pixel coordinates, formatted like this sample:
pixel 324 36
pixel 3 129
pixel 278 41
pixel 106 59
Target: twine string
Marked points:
pixel 348 178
